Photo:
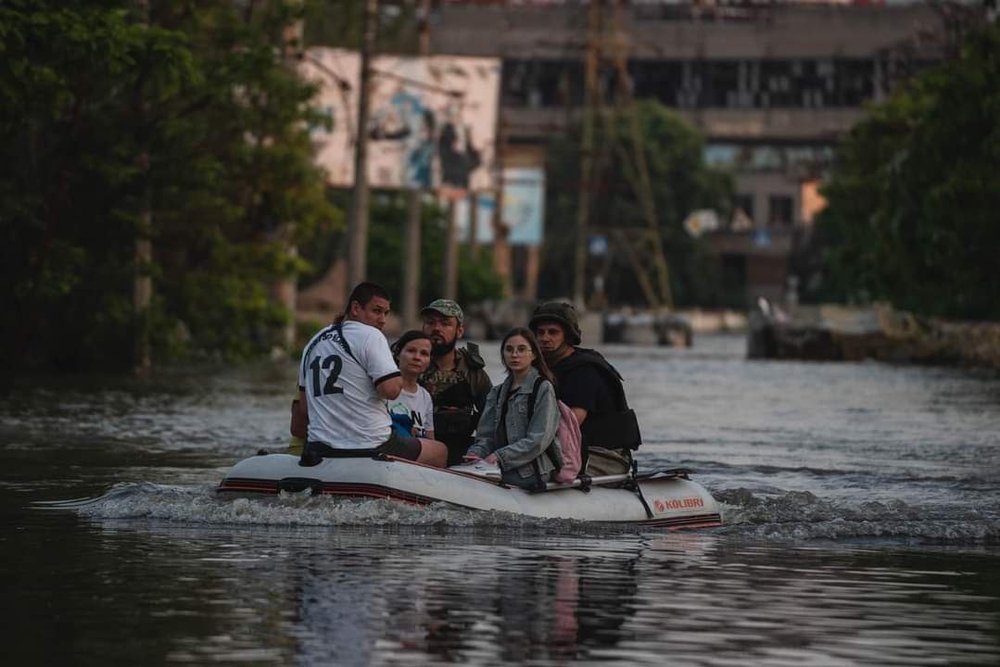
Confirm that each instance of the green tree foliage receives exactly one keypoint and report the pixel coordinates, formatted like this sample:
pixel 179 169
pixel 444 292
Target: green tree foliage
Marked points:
pixel 337 23
pixel 187 111
pixel 914 199
pixel 477 281
pixel 681 183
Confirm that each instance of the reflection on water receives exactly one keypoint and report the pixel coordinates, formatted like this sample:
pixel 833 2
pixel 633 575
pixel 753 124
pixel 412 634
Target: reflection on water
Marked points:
pixel 354 596
pixel 481 600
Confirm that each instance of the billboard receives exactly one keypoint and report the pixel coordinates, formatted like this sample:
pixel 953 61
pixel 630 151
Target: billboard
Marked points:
pixel 523 208
pixel 432 120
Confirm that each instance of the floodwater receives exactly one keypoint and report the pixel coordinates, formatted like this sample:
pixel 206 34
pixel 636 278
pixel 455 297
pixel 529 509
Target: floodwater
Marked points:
pixel 862 526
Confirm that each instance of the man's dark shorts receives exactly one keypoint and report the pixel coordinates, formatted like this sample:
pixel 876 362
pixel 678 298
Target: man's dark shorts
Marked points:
pixel 401 447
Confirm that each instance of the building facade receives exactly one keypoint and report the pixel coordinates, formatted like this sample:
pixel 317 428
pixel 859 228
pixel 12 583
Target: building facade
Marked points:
pixel 772 86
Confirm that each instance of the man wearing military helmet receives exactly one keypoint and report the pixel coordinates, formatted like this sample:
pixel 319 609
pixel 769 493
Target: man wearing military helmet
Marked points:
pixel 591 387
pixel 456 379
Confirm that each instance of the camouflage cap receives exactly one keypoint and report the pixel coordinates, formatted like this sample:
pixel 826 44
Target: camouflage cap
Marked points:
pixel 446 307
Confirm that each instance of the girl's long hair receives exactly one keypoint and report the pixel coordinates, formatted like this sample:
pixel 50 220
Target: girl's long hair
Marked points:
pixel 538 362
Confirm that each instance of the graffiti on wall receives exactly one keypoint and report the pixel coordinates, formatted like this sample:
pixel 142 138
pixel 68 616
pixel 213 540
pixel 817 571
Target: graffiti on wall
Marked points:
pixel 432 121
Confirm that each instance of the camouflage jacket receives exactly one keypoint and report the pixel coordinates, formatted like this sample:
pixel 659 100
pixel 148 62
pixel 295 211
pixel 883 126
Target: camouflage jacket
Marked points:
pixel 462 387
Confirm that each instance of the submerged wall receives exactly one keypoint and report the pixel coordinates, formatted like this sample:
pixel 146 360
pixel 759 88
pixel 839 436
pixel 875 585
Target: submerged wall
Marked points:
pixel 839 333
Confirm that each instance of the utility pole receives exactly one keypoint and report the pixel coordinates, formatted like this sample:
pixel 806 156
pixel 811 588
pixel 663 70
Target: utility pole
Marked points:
pixel 591 100
pixel 142 290
pixel 473 203
pixel 450 287
pixel 142 286
pixel 284 290
pixel 658 293
pixel 411 262
pixel 501 248
pixel 357 226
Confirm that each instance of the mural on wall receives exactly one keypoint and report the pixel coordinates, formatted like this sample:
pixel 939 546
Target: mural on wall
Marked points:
pixel 523 208
pixel 432 121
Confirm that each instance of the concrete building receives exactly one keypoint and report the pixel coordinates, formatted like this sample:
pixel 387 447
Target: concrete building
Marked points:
pixel 773 86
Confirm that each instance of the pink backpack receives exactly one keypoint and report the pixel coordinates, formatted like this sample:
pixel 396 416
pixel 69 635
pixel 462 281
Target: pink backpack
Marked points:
pixel 568 436
pixel 570 445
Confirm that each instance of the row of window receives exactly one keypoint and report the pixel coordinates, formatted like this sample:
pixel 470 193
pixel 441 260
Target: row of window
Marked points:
pixel 806 159
pixel 693 84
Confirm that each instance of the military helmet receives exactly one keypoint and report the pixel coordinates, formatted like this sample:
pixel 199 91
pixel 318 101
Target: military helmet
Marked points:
pixel 562 313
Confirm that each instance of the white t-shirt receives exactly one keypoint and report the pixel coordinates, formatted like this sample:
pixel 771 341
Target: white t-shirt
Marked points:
pixel 345 410
pixel 416 407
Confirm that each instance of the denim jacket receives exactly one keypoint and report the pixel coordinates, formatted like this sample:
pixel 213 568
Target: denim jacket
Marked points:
pixel 527 441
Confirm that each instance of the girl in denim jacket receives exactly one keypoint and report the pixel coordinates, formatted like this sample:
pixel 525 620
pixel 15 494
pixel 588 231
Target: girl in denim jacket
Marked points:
pixel 506 436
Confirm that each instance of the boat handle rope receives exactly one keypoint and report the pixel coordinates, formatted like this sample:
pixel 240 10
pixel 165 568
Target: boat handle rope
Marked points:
pixel 632 484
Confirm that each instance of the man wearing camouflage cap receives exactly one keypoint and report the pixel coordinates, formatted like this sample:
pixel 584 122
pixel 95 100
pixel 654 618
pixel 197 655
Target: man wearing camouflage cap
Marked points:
pixel 456 379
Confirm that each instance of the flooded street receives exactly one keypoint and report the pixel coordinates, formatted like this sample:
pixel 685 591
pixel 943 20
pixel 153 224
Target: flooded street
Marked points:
pixel 860 508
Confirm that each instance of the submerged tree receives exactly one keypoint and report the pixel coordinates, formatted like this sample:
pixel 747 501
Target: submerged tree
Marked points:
pixel 913 201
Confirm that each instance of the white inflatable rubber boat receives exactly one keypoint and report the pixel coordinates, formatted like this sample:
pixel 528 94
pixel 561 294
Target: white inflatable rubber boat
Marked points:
pixel 662 499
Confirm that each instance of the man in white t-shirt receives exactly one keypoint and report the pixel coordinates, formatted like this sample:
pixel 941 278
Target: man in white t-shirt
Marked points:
pixel 346 375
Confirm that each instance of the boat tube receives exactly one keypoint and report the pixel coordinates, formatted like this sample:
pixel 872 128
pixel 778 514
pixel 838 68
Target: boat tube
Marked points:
pixel 663 499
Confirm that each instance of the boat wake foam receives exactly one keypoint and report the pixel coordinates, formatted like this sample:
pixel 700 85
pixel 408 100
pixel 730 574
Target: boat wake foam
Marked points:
pixel 787 515
pixel 801 515
pixel 202 505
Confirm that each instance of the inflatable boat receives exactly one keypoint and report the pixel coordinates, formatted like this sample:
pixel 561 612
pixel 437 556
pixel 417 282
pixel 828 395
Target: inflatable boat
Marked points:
pixel 662 499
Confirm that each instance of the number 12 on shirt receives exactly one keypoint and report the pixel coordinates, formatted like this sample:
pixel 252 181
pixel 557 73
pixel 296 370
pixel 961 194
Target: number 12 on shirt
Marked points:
pixel 329 387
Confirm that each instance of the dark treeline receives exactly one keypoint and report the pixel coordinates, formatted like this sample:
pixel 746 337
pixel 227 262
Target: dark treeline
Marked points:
pixel 188 116
pixel 182 110
pixel 914 201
